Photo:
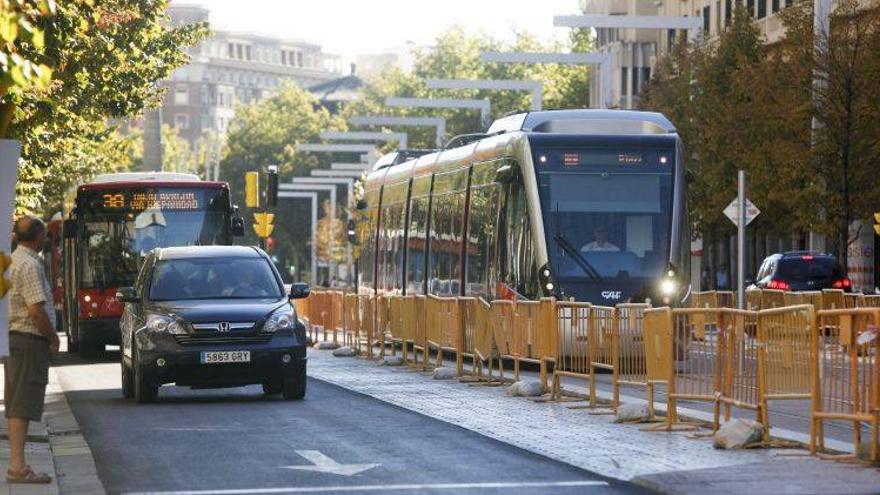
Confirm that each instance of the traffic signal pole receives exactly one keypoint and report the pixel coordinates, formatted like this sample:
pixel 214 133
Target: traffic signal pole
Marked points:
pixel 741 240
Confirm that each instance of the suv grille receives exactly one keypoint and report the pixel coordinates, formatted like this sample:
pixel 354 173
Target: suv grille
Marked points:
pixel 200 338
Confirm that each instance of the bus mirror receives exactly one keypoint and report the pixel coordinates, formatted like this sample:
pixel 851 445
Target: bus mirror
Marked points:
pixel 506 174
pixel 237 226
pixel 69 229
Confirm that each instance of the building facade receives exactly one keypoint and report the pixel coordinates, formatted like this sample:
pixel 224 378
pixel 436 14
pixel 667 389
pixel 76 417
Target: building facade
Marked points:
pixel 230 68
pixel 635 51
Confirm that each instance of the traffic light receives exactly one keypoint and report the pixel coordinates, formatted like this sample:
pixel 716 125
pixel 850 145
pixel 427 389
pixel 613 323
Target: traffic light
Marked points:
pixel 252 189
pixel 270 244
pixel 272 186
pixel 5 285
pixel 877 223
pixel 263 224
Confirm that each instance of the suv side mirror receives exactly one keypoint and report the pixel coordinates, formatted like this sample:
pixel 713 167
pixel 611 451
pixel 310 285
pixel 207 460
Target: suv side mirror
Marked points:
pixel 299 291
pixel 126 295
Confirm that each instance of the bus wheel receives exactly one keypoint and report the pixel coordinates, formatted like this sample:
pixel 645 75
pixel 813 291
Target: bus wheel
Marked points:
pixel 90 349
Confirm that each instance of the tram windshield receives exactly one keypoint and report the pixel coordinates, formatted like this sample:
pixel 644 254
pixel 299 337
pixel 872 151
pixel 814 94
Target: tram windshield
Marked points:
pixel 607 224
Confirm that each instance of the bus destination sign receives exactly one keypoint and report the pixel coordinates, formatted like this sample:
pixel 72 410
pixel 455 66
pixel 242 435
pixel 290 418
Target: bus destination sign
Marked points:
pixel 143 200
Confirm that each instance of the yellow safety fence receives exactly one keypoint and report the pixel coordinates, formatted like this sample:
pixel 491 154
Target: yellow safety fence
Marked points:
pixel 845 377
pixel 727 357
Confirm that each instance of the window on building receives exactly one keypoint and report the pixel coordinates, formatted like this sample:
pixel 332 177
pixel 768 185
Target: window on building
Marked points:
pixel 247 52
pixel 230 50
pixel 775 6
pixel 750 5
pixel 718 17
pixel 181 95
pixel 670 38
pixel 762 9
pixel 728 12
pixel 624 82
pixel 646 76
pixel 707 19
pixel 299 59
pixel 239 52
pixel 283 57
pixel 181 121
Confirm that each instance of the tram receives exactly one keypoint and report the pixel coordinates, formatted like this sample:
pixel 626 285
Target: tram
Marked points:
pixel 582 204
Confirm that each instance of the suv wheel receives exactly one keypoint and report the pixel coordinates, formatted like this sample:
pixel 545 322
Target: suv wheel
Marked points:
pixel 145 389
pixel 294 387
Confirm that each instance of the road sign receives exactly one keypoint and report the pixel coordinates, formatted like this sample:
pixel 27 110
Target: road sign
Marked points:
pixel 732 212
pixel 322 464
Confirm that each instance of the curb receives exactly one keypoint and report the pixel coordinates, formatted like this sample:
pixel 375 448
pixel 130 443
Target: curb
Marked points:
pixel 75 469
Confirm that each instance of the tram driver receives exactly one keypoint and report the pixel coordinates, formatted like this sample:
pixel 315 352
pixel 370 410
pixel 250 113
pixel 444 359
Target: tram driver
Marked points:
pixel 601 243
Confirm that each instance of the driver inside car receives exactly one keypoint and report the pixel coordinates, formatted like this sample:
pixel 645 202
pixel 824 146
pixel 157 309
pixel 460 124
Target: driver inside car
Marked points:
pixel 246 284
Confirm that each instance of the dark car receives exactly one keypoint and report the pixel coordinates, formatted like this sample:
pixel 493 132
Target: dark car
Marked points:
pixel 802 271
pixel 211 317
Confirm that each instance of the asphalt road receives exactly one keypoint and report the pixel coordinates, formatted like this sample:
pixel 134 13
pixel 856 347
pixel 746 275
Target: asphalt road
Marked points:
pixel 234 441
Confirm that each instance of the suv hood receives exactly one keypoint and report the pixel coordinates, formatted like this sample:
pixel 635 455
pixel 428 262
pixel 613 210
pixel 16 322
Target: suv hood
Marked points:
pixel 215 310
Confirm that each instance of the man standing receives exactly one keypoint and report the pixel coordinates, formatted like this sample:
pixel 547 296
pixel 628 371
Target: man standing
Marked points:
pixel 32 338
pixel 722 279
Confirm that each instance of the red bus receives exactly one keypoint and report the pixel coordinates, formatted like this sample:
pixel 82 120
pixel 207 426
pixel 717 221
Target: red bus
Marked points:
pixel 115 221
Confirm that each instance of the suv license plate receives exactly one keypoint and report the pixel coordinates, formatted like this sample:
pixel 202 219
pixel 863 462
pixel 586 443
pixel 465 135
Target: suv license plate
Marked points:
pixel 215 357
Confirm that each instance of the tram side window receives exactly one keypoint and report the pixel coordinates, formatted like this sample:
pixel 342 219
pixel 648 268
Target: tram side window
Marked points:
pixel 391 226
pixel 382 250
pixel 446 235
pixel 367 239
pixel 415 259
pixel 481 239
pixel 398 246
pixel 521 269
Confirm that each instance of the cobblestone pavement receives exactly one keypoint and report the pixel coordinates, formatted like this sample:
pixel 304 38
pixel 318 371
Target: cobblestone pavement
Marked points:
pixel 574 436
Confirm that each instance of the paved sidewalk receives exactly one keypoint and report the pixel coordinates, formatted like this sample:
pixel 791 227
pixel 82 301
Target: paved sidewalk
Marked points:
pixel 55 447
pixel 667 462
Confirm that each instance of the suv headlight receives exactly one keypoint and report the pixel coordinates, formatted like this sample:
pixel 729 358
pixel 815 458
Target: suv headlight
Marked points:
pixel 162 323
pixel 281 319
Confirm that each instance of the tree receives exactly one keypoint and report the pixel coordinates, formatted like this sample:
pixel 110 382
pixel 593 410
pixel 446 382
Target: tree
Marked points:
pixel 457 55
pixel 267 133
pixel 106 57
pixel 846 102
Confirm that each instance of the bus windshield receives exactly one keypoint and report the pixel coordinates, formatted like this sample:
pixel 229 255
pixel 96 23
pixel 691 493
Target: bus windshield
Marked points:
pixel 117 228
pixel 606 226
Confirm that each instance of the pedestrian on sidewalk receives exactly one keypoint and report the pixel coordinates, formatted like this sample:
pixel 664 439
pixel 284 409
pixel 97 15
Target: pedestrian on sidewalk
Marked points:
pixel 32 339
pixel 722 279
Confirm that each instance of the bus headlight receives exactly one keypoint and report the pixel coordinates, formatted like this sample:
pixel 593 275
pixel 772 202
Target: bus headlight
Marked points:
pixel 668 287
pixel 162 323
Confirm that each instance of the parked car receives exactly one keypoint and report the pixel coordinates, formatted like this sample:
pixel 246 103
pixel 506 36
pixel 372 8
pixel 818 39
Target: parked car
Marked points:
pixel 211 317
pixel 801 271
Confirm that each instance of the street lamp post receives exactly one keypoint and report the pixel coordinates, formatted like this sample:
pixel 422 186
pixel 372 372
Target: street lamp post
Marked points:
pixel 439 123
pixel 600 59
pixel 536 88
pixel 484 106
pixel 313 196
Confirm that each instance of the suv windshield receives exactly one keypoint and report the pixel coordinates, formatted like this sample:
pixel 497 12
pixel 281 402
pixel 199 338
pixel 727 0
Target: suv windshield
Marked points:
pixel 804 269
pixel 213 278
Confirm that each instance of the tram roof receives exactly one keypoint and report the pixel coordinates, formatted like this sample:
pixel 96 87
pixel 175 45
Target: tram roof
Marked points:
pixel 508 131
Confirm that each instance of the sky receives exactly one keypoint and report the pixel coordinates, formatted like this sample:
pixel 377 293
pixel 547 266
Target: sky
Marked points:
pixel 352 27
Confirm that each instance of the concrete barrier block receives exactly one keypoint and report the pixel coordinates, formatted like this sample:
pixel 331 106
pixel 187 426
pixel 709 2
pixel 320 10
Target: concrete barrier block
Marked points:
pixel 443 374
pixel 738 433
pixel 326 345
pixel 345 351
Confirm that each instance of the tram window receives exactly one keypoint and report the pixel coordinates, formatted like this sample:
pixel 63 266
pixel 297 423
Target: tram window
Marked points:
pixel 481 238
pixel 416 244
pixel 521 270
pixel 446 233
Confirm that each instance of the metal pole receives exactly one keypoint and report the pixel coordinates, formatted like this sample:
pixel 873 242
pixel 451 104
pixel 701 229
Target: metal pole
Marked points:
pixel 741 240
pixel 821 31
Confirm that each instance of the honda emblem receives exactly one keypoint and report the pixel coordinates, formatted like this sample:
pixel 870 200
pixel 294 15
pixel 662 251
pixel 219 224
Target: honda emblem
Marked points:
pixel 223 326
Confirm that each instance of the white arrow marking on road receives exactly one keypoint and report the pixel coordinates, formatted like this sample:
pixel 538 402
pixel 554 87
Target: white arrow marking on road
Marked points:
pixel 323 464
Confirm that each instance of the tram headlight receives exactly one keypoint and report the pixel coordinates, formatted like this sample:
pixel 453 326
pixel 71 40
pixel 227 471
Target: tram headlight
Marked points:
pixel 668 287
pixel 550 286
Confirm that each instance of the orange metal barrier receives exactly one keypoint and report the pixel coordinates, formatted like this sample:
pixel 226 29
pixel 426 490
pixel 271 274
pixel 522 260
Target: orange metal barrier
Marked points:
pixel 586 341
pixel 443 328
pixel 832 299
pixel 476 318
pixel 712 299
pixel 869 301
pixel 631 367
pixel 845 376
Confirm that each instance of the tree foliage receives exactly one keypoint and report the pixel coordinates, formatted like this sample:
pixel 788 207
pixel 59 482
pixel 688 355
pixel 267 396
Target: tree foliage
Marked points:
pixel 267 133
pixel 106 57
pixel 741 104
pixel 457 55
